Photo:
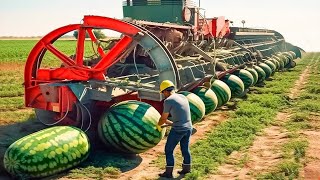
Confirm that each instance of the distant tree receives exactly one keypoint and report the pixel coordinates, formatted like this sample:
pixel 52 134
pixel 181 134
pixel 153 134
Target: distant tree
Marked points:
pixel 97 32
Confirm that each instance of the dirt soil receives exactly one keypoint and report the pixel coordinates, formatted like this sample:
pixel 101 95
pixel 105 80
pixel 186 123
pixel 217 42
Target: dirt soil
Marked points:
pixel 265 151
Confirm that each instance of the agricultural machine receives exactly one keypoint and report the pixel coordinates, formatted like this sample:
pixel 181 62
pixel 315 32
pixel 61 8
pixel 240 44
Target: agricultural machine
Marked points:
pixel 159 40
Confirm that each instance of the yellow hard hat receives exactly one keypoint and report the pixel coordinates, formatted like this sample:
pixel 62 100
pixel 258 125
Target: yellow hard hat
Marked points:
pixel 165 84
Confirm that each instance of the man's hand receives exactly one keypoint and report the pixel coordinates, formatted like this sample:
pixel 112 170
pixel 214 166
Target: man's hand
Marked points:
pixel 159 128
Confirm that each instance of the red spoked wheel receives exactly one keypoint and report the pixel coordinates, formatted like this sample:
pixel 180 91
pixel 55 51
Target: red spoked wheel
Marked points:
pixel 49 89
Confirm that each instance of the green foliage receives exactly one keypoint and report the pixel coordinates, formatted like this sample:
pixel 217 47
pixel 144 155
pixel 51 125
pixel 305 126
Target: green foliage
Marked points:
pixel 97 32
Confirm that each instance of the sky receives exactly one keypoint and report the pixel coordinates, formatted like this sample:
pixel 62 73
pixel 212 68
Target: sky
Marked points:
pixel 298 21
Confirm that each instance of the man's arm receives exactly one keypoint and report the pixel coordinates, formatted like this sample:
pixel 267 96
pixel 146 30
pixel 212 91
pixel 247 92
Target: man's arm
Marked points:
pixel 163 119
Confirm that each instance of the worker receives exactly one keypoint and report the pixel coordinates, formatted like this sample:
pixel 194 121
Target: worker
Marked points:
pixel 177 105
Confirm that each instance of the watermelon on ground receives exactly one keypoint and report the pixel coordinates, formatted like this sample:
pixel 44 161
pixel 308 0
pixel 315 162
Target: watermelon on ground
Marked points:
pixel 46 152
pixel 235 84
pixel 130 127
pixel 222 91
pixel 197 106
pixel 208 97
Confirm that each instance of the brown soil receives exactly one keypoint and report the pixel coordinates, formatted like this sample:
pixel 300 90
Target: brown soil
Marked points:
pixel 265 151
pixel 147 170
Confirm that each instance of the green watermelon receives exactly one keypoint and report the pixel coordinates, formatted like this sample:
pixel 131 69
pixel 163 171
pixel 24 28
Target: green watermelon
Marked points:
pixel 245 76
pixel 47 152
pixel 293 54
pixel 266 69
pixel 130 127
pixel 197 106
pixel 235 84
pixel 289 56
pixel 208 97
pixel 283 58
pixel 261 73
pixel 281 62
pixel 271 65
pixel 254 75
pixel 275 62
pixel 222 91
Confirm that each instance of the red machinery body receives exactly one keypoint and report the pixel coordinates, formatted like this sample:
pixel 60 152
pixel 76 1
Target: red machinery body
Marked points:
pixel 136 63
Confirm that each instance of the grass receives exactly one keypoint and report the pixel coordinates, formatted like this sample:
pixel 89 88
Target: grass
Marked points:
pixel 294 151
pixel 249 118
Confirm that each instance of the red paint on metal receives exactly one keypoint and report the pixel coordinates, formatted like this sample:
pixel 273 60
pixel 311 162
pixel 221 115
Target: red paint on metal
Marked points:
pixel 80 46
pixel 95 40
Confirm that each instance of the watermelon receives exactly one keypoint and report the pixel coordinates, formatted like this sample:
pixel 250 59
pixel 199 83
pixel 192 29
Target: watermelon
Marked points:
pixel 281 63
pixel 47 152
pixel 245 76
pixel 275 62
pixel 130 127
pixel 222 91
pixel 235 84
pixel 208 97
pixel 293 54
pixel 197 106
pixel 266 69
pixel 271 65
pixel 254 75
pixel 261 73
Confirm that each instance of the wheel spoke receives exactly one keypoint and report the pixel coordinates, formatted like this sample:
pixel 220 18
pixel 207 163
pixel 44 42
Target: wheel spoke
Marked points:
pixel 68 61
pixel 111 57
pixel 96 41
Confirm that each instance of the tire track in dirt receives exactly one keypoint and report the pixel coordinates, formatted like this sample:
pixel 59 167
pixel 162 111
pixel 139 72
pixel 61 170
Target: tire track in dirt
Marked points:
pixel 311 169
pixel 265 151
pixel 148 170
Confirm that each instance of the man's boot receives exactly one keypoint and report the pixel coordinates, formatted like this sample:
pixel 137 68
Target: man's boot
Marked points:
pixel 186 168
pixel 167 173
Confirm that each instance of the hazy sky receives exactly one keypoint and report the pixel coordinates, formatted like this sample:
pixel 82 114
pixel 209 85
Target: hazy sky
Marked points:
pixel 298 21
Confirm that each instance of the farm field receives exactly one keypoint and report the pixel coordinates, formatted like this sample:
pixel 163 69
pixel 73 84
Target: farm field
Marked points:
pixel 227 142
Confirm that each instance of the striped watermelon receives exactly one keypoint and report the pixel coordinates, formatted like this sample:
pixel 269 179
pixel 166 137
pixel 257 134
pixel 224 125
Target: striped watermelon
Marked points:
pixel 46 152
pixel 208 97
pixel 235 84
pixel 271 65
pixel 266 69
pixel 288 55
pixel 281 63
pixel 293 54
pixel 222 91
pixel 245 76
pixel 130 127
pixel 197 106
pixel 275 62
pixel 254 75
pixel 261 74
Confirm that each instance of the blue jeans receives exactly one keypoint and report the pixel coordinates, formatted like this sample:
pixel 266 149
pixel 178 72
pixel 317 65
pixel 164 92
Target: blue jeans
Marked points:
pixel 173 139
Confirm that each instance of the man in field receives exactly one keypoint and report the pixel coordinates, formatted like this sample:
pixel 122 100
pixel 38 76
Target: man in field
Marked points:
pixel 177 106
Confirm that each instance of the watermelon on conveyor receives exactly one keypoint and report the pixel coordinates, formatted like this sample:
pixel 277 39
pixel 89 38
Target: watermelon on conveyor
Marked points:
pixel 221 90
pixel 266 69
pixel 261 74
pixel 245 76
pixel 254 75
pixel 197 107
pixel 271 65
pixel 46 152
pixel 208 97
pixel 235 84
pixel 130 127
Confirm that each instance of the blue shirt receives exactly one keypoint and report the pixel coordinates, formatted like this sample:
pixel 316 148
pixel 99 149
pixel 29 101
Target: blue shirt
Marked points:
pixel 177 105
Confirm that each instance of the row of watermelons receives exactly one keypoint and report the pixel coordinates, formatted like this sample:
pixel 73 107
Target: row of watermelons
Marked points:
pixel 128 126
